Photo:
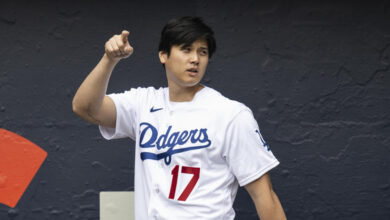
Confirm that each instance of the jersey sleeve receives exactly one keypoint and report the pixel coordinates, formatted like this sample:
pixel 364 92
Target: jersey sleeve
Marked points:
pixel 126 105
pixel 247 154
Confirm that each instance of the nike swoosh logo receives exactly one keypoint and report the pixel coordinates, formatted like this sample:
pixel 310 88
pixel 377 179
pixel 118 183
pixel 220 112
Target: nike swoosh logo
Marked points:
pixel 155 109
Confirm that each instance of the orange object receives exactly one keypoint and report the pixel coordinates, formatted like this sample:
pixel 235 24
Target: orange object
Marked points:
pixel 20 160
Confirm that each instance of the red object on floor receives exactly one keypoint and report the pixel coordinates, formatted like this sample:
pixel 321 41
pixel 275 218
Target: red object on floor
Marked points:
pixel 20 160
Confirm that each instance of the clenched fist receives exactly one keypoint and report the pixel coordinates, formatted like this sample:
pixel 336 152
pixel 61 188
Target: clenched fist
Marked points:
pixel 118 47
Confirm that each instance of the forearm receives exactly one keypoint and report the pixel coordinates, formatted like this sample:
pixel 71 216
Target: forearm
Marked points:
pixel 270 209
pixel 90 95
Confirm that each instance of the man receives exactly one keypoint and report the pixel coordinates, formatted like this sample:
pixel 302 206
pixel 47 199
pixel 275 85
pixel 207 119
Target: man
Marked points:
pixel 193 145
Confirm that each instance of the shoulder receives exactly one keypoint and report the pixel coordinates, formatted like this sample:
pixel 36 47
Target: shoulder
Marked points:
pixel 140 92
pixel 138 96
pixel 223 105
pixel 146 90
pixel 216 100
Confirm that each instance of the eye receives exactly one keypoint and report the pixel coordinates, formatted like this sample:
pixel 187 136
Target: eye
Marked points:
pixel 203 52
pixel 186 49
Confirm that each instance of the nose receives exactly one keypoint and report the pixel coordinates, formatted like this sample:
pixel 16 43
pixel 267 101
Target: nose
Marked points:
pixel 194 58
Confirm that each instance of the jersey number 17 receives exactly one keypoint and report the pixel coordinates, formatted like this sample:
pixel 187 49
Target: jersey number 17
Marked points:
pixel 175 173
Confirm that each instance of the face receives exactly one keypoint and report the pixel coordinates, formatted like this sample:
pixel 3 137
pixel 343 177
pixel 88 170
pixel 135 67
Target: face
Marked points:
pixel 186 66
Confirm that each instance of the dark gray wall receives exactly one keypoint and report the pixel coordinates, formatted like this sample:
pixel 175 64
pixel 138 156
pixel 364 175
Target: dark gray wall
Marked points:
pixel 316 76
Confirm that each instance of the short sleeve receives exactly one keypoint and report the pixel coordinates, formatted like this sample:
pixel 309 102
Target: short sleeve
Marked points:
pixel 247 154
pixel 126 105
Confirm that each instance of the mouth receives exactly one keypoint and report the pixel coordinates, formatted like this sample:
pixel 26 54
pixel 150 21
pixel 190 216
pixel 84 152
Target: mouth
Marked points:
pixel 193 71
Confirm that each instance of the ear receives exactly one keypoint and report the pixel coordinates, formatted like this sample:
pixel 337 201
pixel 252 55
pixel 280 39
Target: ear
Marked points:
pixel 163 56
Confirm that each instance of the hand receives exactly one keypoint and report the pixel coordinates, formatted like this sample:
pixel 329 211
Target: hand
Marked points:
pixel 118 47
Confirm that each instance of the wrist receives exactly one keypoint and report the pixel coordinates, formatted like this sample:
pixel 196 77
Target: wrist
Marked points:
pixel 110 61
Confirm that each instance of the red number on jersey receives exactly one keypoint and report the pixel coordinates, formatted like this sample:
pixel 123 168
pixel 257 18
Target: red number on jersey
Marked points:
pixel 187 191
pixel 175 173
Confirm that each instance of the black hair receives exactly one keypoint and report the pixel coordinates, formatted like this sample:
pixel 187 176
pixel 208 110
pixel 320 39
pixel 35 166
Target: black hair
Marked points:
pixel 184 31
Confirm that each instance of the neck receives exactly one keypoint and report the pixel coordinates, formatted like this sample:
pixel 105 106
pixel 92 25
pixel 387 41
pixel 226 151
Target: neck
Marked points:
pixel 183 94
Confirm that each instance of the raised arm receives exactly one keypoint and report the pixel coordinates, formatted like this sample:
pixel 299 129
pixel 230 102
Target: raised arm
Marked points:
pixel 267 203
pixel 90 101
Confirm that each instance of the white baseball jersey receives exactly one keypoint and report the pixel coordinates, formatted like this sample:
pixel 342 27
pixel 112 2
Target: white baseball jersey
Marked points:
pixel 190 156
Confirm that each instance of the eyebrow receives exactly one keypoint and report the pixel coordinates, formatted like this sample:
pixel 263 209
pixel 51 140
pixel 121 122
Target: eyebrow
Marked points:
pixel 189 45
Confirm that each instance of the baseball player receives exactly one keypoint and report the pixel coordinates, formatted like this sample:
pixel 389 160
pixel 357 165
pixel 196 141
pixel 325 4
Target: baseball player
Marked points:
pixel 194 146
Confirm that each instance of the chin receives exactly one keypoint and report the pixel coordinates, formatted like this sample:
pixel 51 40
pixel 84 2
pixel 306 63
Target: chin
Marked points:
pixel 190 83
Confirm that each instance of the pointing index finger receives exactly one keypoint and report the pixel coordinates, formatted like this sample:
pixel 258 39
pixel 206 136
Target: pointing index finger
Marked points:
pixel 124 36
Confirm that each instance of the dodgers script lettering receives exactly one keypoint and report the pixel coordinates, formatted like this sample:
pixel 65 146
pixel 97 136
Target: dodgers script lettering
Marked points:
pixel 186 140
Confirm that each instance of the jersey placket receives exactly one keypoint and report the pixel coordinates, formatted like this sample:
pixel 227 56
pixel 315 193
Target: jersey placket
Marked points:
pixel 157 192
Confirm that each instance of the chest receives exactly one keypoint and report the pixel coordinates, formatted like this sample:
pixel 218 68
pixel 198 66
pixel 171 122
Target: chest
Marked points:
pixel 183 135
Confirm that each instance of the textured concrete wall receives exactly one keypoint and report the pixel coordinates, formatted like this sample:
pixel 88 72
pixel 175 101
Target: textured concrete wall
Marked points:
pixel 316 76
